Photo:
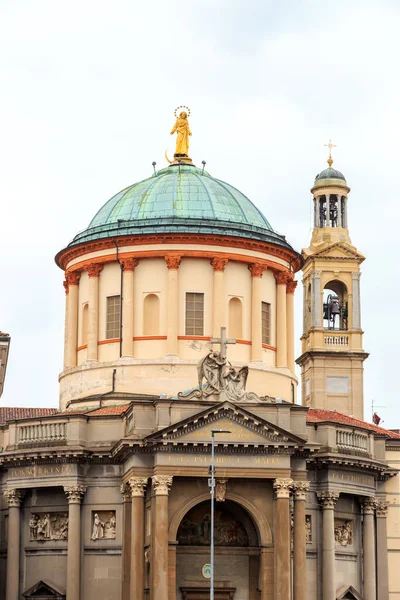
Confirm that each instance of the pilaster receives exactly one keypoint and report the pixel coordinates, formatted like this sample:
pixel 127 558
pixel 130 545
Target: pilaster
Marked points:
pixel 161 484
pixel 173 261
pixel 137 488
pixel 74 496
pixel 328 501
pixel 14 499
pixel 282 488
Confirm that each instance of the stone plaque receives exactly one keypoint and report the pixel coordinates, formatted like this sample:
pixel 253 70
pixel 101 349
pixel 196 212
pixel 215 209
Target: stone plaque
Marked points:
pixel 48 526
pixel 337 385
pixel 103 525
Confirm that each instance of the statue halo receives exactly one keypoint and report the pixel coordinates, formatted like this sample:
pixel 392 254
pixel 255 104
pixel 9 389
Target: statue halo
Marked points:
pixel 186 109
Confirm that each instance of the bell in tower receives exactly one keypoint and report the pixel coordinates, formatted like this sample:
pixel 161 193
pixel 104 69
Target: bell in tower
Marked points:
pixel 332 348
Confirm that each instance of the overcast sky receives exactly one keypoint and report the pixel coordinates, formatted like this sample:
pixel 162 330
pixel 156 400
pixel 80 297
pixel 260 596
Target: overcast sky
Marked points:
pixel 87 94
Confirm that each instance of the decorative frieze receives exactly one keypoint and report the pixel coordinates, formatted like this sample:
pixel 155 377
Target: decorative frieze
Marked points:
pixel 104 525
pixel 220 489
pixel 137 486
pixel 328 499
pixel 48 526
pixel 161 484
pixel 74 493
pixel 344 532
pixel 14 497
pixel 283 487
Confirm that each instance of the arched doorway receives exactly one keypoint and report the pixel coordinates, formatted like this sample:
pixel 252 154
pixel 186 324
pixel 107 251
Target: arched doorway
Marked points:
pixel 237 553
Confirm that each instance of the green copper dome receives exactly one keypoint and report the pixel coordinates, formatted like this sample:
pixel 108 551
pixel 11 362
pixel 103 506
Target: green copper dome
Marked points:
pixel 330 174
pixel 180 199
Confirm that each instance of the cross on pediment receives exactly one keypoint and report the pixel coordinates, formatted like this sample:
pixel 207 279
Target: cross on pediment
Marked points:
pixel 223 341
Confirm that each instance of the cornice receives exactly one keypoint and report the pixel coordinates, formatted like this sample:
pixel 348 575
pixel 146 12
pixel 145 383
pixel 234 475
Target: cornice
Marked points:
pixel 64 257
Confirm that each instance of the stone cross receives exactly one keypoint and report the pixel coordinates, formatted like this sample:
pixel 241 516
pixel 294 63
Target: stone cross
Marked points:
pixel 223 341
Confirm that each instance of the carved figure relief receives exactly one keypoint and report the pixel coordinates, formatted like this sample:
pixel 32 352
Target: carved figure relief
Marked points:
pixel 103 525
pixel 344 533
pixel 195 528
pixel 48 526
pixel 308 529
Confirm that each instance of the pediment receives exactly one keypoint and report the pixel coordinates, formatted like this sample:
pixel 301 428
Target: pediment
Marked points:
pixel 337 251
pixel 347 592
pixel 245 428
pixel 43 591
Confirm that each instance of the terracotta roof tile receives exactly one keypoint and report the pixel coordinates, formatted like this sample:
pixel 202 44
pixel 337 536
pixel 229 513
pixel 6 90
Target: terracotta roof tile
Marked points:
pixel 318 415
pixel 103 411
pixel 11 413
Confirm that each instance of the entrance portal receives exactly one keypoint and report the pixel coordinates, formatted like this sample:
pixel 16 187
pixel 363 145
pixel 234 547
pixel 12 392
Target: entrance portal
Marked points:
pixel 236 553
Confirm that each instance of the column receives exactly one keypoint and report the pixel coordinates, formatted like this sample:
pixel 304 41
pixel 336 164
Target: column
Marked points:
pixel 161 486
pixel 316 308
pixel 173 263
pixel 339 210
pixel 282 489
pixel 14 499
pixel 93 324
pixel 316 206
pixel 381 550
pixel 281 329
pixel 256 270
pixel 71 341
pixel 328 211
pixel 344 218
pixel 138 487
pixel 290 288
pixel 299 541
pixel 126 540
pixel 356 303
pixel 369 549
pixel 74 494
pixel 219 300
pixel 328 501
pixel 129 265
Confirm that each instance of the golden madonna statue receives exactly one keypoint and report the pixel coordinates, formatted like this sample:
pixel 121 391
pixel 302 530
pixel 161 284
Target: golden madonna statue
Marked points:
pixel 182 129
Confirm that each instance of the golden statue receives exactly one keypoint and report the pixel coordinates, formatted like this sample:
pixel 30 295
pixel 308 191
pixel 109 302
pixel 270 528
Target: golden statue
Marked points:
pixel 183 131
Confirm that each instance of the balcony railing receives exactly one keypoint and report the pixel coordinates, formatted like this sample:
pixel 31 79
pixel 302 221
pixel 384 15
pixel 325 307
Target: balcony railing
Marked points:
pixel 336 340
pixel 349 440
pixel 42 432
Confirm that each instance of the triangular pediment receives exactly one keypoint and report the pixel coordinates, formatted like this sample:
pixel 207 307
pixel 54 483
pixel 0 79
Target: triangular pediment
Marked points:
pixel 347 592
pixel 339 250
pixel 43 591
pixel 245 428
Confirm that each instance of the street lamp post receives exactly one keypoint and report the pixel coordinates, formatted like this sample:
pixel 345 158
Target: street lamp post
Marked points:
pixel 211 483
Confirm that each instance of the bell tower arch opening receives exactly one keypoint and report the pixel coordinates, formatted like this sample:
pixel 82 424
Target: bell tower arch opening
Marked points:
pixel 335 306
pixel 237 552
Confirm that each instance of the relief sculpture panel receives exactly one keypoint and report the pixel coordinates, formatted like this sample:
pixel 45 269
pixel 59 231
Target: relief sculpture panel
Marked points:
pixel 103 525
pixel 344 533
pixel 48 526
pixel 195 528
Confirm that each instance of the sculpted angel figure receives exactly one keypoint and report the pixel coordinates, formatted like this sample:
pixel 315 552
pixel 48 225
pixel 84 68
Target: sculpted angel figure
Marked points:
pixel 210 368
pixel 183 131
pixel 235 382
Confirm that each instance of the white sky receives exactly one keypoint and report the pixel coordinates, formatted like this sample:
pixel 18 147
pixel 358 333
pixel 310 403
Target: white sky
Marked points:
pixel 87 93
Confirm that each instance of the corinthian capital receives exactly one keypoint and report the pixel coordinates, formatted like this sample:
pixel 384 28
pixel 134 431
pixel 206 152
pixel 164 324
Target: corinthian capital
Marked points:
pixel 218 264
pixel 368 506
pixel 291 286
pixel 283 487
pixel 138 486
pixel 381 507
pixel 161 484
pixel 300 489
pixel 328 499
pixel 129 264
pixel 74 493
pixel 125 492
pixel 257 269
pixel 94 269
pixel 14 497
pixel 173 261
pixel 72 277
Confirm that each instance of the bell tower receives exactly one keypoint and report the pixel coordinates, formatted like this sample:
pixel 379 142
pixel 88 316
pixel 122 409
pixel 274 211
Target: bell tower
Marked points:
pixel 332 347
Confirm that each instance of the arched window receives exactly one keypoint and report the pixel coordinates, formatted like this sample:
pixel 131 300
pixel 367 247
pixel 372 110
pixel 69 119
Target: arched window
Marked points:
pixel 335 305
pixel 151 315
pixel 235 318
pixel 85 320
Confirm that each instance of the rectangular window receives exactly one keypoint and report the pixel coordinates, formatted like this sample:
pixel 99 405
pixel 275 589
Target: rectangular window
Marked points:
pixel 113 317
pixel 266 322
pixel 194 324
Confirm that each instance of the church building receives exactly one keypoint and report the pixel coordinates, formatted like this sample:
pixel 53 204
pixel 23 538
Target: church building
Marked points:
pixel 179 329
